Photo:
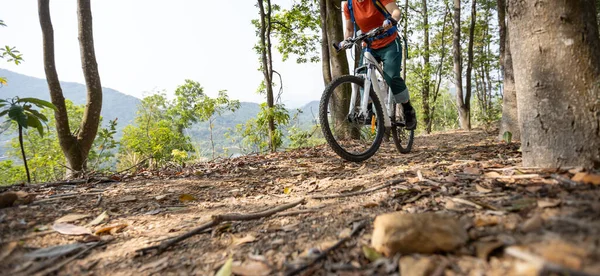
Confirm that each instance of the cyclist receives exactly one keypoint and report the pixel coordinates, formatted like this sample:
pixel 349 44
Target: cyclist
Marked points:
pixel 368 15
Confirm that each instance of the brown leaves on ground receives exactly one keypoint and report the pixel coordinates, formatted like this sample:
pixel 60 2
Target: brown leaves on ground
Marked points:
pixel 465 195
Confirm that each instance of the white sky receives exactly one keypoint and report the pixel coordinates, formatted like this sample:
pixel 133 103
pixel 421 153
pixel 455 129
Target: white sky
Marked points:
pixel 146 45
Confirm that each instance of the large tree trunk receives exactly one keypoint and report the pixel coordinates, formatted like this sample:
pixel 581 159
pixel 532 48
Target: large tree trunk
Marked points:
pixel 339 61
pixel 69 143
pixel 426 69
pixel 267 63
pixel 91 115
pixel 325 60
pixel 463 112
pixel 510 119
pixel 557 75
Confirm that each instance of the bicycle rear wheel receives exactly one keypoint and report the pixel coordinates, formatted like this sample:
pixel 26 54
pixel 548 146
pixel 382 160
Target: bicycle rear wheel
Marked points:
pixel 351 136
pixel 403 138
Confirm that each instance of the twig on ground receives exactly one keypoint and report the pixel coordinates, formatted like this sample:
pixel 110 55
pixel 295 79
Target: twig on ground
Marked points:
pixel 58 266
pixel 299 212
pixel 423 179
pixel 323 254
pixel 565 180
pixel 64 197
pixel 544 266
pixel 391 183
pixel 216 220
pixel 516 176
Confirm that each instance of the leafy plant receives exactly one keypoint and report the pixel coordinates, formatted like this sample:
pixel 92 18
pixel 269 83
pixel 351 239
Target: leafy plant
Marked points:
pixel 20 111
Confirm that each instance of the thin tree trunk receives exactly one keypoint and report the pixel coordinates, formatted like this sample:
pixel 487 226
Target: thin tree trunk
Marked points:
pixel 91 115
pixel 23 153
pixel 440 67
pixel 265 42
pixel 405 34
pixel 427 69
pixel 463 113
pixel 467 104
pixel 212 141
pixel 325 60
pixel 510 118
pixel 557 75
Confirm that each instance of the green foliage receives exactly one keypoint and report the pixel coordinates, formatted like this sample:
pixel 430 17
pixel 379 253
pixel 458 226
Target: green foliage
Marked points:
pixel 255 132
pixel 302 136
pixel 507 137
pixel 10 54
pixel 298 31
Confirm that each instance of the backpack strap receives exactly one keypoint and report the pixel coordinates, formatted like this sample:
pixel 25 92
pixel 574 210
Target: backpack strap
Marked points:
pixel 381 8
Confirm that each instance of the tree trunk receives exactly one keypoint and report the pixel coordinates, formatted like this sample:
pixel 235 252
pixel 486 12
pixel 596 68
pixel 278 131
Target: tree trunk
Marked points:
pixel 467 103
pixel 405 33
pixel 339 61
pixel 325 60
pixel 23 153
pixel 267 64
pixel 427 69
pixel 91 115
pixel 557 75
pixel 463 112
pixel 510 119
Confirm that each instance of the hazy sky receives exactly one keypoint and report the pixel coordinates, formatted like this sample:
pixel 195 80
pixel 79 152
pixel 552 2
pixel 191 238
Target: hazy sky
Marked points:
pixel 146 45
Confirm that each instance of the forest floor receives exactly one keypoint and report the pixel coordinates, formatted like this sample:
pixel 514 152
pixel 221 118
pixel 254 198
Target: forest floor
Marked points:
pixel 520 221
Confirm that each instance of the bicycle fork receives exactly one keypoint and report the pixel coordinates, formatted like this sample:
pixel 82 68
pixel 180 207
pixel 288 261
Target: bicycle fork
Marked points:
pixel 364 101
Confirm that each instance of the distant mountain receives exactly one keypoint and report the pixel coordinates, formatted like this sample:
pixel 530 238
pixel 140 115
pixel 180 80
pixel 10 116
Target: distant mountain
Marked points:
pixel 114 103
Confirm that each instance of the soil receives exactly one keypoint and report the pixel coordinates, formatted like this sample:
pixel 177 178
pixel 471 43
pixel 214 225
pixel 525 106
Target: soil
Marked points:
pixel 520 221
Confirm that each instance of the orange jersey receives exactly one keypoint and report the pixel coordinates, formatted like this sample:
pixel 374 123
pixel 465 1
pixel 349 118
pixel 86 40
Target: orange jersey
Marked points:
pixel 368 17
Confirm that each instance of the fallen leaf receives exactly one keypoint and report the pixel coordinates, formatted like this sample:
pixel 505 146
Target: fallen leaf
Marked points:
pixel 482 189
pixel 370 253
pixel 492 174
pixel 472 170
pixel 587 178
pixel 413 180
pixel 548 203
pixel 129 198
pixel 371 205
pixel 98 219
pixel 287 190
pixel 186 198
pixel 160 197
pixel 70 229
pixel 485 249
pixel 113 229
pixel 578 177
pixel 532 224
pixel 451 178
pixel 7 249
pixel 90 238
pixel 71 218
pixel 156 265
pixel 55 251
pixel 345 233
pixel 153 212
pixel 248 238
pixel 226 269
pixel 483 221
pixel 251 268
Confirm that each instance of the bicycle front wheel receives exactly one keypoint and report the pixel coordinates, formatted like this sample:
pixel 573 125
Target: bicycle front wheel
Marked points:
pixel 353 135
pixel 403 138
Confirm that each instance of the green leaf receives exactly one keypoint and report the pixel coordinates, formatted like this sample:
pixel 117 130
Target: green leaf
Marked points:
pixel 370 253
pixel 33 121
pixel 38 114
pixel 226 268
pixel 38 102
pixel 507 137
pixel 3 112
pixel 17 114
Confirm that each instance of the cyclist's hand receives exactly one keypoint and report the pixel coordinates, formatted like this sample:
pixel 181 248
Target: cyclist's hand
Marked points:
pixel 389 23
pixel 344 44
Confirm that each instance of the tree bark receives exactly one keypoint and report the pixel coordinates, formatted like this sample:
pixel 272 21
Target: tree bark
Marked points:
pixel 466 108
pixel 267 63
pixel 91 115
pixel 23 153
pixel 325 59
pixel 405 33
pixel 339 62
pixel 510 117
pixel 557 75
pixel 463 112
pixel 427 69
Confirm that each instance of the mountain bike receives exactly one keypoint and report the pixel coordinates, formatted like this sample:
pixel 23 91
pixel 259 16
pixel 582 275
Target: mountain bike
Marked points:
pixel 352 117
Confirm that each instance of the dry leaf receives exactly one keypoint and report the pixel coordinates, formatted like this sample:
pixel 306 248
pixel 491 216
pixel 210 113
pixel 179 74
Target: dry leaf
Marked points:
pixel 345 233
pixel 70 229
pixel 482 189
pixel 156 265
pixel 371 205
pixel 472 170
pixel 113 229
pixel 7 249
pixel 287 190
pixel 413 180
pixel 483 221
pixel 225 270
pixel 55 251
pixel 160 197
pixel 370 253
pixel 492 174
pixel 451 178
pixel 251 268
pixel 548 203
pixel 129 198
pixel 71 218
pixel 98 219
pixel 186 198
pixel 248 238
pixel 532 224
pixel 587 178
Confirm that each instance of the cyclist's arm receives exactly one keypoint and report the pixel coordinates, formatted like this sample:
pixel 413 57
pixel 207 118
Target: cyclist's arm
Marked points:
pixel 394 10
pixel 349 29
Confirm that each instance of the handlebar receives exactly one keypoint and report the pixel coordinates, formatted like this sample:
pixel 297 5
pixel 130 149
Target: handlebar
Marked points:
pixel 351 41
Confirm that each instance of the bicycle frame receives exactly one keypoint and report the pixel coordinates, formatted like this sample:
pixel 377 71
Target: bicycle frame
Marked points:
pixel 372 67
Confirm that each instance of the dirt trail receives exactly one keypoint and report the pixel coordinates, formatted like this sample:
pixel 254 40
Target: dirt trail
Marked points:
pixel 470 175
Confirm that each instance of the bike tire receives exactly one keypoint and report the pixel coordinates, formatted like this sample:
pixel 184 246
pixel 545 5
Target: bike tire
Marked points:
pixel 331 139
pixel 400 134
